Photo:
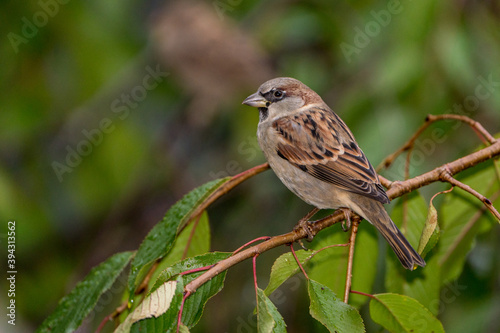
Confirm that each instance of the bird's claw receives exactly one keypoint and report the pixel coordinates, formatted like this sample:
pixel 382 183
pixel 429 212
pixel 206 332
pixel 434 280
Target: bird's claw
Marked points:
pixel 305 225
pixel 346 224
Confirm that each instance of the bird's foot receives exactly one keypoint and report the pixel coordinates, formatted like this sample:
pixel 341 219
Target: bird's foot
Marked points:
pixel 305 224
pixel 346 225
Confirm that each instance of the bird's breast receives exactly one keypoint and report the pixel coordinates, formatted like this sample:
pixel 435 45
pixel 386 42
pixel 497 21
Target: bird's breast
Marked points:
pixel 310 189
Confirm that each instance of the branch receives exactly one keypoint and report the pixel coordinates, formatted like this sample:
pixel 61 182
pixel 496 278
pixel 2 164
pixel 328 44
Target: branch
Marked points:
pixel 477 127
pixel 348 279
pixel 396 189
pixel 430 119
pixel 487 202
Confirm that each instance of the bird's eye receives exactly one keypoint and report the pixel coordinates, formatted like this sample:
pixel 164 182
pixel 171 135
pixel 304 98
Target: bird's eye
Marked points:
pixel 278 94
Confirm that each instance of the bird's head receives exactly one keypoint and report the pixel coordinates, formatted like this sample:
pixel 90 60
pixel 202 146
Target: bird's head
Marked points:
pixel 281 96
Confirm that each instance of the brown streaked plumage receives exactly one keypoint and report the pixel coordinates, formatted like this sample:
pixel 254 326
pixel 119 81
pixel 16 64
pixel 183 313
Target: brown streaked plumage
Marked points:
pixel 315 155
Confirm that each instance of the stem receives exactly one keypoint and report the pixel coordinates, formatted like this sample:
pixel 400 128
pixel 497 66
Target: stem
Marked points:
pixel 196 270
pixel 254 267
pixel 191 235
pixel 487 202
pixel 348 279
pixel 477 127
pixel 298 262
pixel 251 242
pixel 361 293
pixel 144 284
pixel 179 315
pixel 398 188
pixel 407 145
pixel 109 317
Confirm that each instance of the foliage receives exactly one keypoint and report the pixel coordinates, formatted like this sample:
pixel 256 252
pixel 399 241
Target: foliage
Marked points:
pixel 411 306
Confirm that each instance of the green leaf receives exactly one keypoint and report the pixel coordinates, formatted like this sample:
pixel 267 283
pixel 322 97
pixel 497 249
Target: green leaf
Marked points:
pixel 398 313
pixel 461 218
pixel 422 284
pixel 194 305
pixel 74 307
pixel 430 234
pixel 334 314
pixel 197 242
pixel 160 239
pixel 269 319
pixel 203 260
pixel 329 266
pixel 286 266
pixel 183 328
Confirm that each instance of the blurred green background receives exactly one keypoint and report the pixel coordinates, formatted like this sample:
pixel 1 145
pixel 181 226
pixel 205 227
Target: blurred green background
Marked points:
pixel 110 111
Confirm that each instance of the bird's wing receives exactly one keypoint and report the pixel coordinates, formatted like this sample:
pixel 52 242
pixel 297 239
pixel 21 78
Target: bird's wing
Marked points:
pixel 318 142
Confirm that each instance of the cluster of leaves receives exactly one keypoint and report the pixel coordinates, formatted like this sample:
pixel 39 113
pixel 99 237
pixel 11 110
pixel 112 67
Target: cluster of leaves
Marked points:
pixel 180 251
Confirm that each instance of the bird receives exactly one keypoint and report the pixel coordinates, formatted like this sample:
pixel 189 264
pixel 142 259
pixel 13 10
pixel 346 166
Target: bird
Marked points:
pixel 315 155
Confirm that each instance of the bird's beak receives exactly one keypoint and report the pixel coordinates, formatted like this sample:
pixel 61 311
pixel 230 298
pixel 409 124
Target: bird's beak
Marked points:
pixel 256 100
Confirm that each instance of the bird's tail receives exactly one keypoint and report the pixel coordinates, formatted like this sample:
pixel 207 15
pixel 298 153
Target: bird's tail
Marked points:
pixel 376 214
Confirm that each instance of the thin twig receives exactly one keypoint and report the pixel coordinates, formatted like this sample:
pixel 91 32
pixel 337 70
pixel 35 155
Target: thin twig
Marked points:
pixel 487 202
pixel 405 200
pixel 191 235
pixel 250 243
pixel 196 270
pixel 110 317
pixel 330 246
pixel 408 162
pixel 254 267
pixel 477 127
pixel 179 315
pixel 298 262
pixel 144 284
pixel 399 188
pixel 350 259
pixel 361 293
pixel 407 145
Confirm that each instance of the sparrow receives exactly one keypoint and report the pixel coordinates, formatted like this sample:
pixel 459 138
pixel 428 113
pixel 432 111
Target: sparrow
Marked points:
pixel 315 155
